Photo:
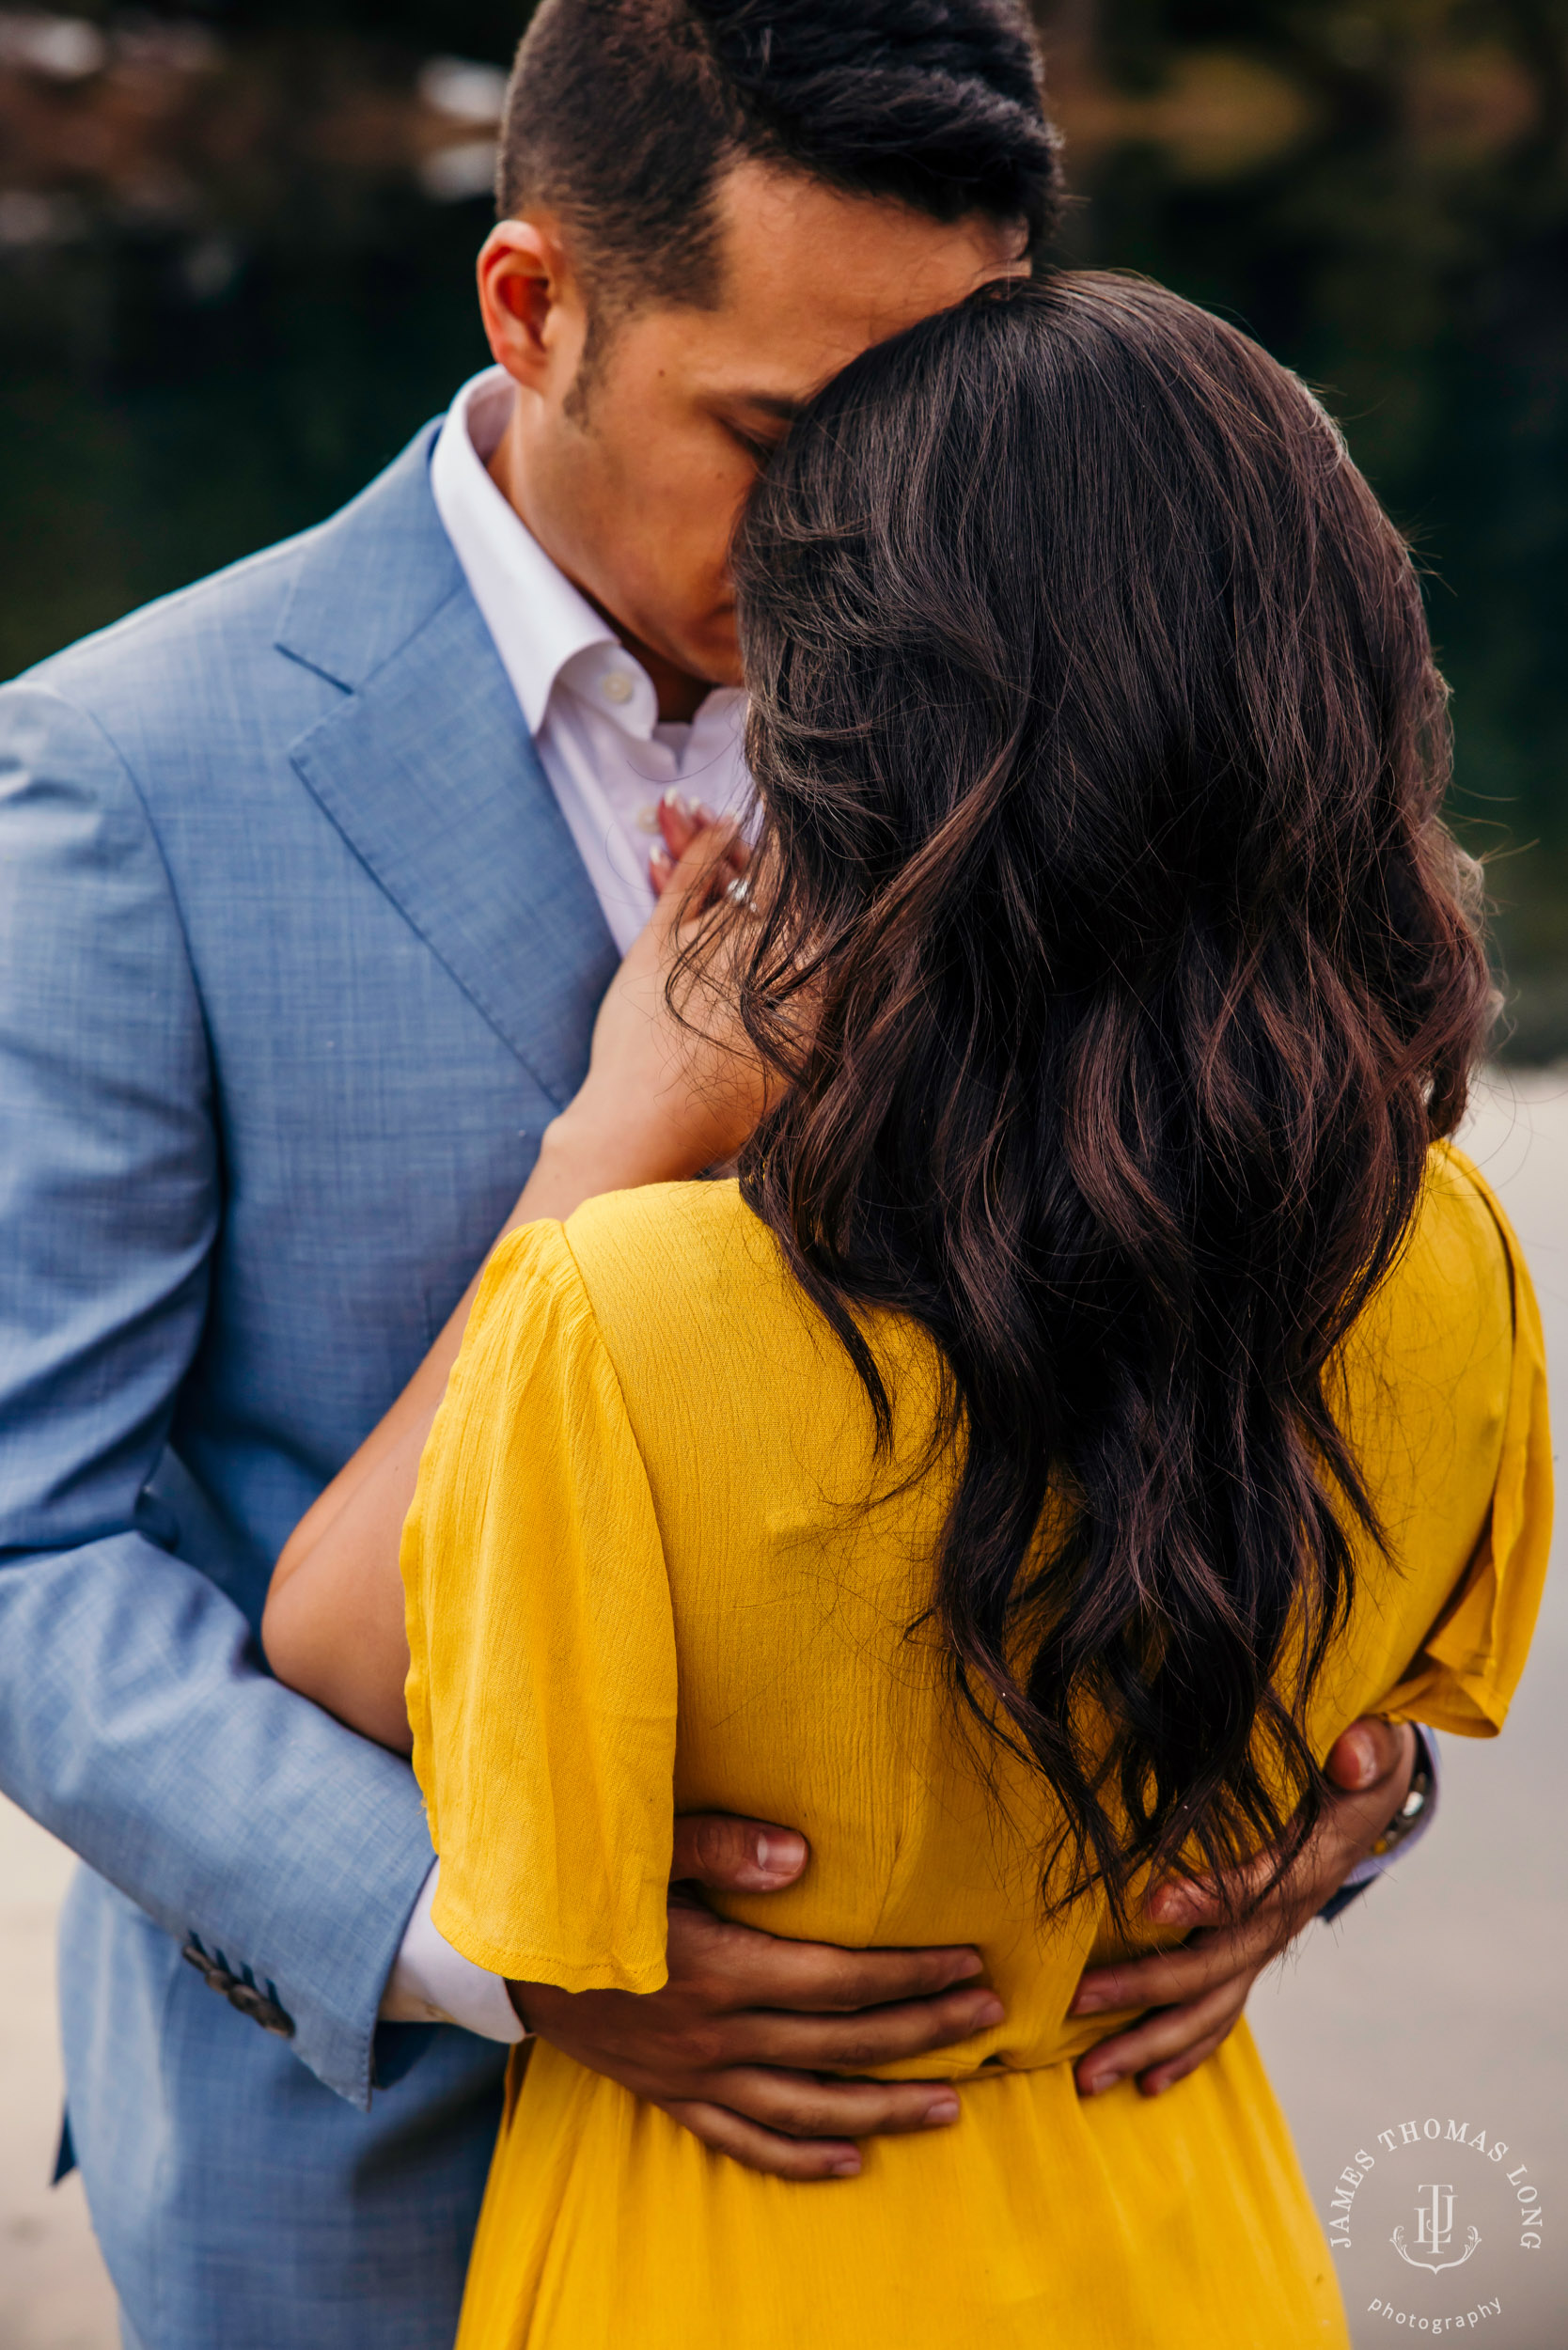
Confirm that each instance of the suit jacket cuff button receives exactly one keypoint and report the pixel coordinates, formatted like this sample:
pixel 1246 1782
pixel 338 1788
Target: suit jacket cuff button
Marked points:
pixel 262 2009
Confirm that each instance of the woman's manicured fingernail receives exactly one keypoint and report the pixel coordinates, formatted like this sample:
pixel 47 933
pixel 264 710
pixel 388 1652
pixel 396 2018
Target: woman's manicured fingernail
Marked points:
pixel 940 2112
pixel 703 813
pixel 989 2011
pixel 1087 2002
pixel 1095 2084
pixel 848 2168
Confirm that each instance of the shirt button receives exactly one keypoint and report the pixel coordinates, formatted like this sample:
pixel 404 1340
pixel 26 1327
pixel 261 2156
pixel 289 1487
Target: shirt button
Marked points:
pixel 648 817
pixel 616 686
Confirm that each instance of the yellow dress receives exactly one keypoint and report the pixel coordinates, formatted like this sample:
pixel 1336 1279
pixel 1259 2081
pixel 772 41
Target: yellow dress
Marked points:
pixel 641 1578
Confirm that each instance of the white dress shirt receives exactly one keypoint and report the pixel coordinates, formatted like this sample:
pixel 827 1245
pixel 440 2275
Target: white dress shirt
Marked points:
pixel 594 716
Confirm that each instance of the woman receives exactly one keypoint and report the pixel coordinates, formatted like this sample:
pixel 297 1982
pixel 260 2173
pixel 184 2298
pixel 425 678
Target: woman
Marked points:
pixel 1102 1383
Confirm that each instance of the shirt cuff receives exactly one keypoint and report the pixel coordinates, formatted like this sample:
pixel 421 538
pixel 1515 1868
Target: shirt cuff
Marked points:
pixel 433 1983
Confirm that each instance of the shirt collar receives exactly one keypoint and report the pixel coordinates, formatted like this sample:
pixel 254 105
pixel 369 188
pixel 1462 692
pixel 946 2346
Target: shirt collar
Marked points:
pixel 543 628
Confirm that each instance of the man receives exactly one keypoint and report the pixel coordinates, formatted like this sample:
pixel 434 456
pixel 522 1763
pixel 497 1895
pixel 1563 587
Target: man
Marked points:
pixel 313 877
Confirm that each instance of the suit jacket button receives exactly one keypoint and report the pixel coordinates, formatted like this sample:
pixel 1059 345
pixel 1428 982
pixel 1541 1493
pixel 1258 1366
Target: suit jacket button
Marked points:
pixel 262 2009
pixel 216 1977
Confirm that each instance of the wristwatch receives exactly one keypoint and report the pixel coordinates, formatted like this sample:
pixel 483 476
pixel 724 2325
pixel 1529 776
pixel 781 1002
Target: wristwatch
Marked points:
pixel 1405 1819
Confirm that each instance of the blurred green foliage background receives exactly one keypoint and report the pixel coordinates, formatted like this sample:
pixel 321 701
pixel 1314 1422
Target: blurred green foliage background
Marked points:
pixel 235 273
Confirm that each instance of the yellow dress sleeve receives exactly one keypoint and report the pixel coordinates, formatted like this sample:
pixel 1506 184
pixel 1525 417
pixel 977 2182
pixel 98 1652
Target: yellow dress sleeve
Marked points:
pixel 1468 1667
pixel 541 1688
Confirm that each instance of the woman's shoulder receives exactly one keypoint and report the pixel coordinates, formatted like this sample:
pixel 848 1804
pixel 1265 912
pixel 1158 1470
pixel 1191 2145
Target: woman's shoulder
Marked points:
pixel 1454 1293
pixel 1441 1324
pixel 643 1243
pixel 709 1336
pixel 1462 1220
pixel 659 1216
pixel 1445 1385
pixel 1432 1367
pixel 686 1239
pixel 683 1269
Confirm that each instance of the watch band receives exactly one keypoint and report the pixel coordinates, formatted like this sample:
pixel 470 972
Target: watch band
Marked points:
pixel 1406 1819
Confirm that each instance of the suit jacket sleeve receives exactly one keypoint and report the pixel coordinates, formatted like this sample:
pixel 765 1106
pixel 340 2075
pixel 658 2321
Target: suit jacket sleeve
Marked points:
pixel 136 1720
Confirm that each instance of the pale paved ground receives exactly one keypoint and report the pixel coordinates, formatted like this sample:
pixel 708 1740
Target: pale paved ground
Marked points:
pixel 1443 1991
pixel 54 2294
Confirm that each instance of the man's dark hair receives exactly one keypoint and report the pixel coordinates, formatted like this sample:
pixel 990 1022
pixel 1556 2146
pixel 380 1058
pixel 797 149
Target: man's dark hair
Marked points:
pixel 623 113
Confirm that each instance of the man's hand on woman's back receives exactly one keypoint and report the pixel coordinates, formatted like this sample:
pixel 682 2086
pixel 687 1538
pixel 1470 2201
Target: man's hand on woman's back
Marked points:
pixel 1193 1995
pixel 743 2044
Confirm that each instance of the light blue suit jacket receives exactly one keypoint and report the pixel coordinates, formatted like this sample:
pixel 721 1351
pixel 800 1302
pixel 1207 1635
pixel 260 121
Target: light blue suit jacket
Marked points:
pixel 297 959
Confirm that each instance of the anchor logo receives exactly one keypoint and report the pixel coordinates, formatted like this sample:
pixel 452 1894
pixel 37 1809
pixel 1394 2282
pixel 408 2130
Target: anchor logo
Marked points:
pixel 1434 2233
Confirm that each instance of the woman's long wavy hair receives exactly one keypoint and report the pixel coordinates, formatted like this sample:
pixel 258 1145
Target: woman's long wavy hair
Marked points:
pixel 1115 973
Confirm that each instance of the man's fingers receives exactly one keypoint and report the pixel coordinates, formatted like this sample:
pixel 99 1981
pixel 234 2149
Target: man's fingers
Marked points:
pixel 1370 1766
pixel 803 2105
pixel 765 2150
pixel 1170 1977
pixel 733 1855
pixel 1199 1900
pixel 746 1968
pixel 1370 1750
pixel 856 2043
pixel 1355 1818
pixel 1164 2077
pixel 1159 2039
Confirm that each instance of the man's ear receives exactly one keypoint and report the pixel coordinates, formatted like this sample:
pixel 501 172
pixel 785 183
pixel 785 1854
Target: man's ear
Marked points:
pixel 531 300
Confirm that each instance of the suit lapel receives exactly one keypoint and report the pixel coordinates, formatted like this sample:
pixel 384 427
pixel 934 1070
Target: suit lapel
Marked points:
pixel 428 771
